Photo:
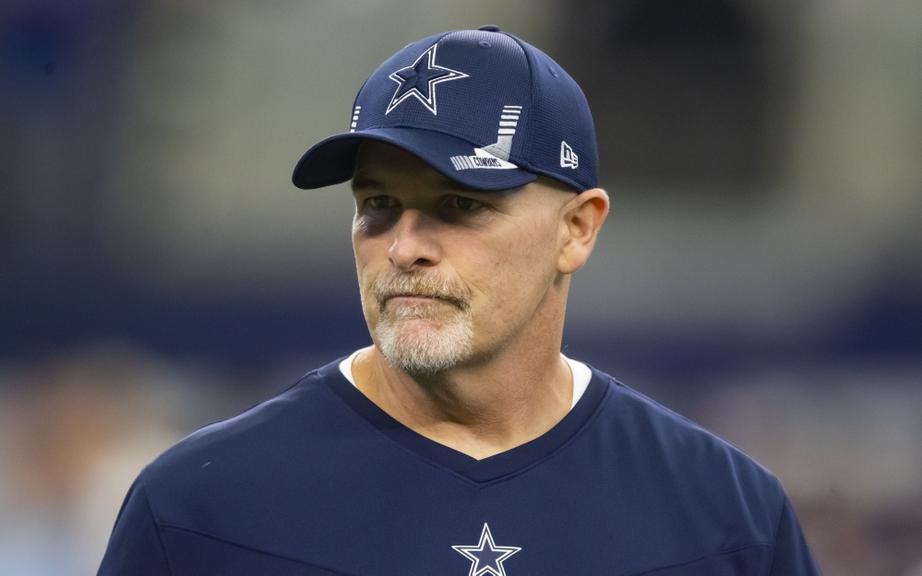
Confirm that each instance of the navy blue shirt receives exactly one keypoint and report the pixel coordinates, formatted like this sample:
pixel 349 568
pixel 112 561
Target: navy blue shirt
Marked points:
pixel 318 480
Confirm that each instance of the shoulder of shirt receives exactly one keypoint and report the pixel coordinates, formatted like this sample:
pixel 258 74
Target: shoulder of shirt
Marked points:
pixel 262 424
pixel 666 438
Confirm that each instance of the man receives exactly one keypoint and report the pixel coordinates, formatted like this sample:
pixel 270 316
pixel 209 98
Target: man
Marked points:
pixel 461 441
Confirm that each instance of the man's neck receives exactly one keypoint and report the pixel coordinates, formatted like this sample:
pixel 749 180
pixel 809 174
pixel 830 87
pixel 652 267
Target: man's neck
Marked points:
pixel 481 409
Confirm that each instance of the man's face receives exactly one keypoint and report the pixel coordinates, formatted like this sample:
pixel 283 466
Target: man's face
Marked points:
pixel 451 276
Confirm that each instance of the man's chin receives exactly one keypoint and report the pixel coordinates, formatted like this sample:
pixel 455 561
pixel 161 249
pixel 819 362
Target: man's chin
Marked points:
pixel 419 328
pixel 423 347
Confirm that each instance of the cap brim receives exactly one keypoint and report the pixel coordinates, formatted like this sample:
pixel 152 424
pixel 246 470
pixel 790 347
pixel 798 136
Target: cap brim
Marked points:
pixel 332 160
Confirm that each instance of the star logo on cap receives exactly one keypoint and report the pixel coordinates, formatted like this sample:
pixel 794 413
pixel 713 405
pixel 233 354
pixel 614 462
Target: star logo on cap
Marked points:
pixel 420 79
pixel 486 557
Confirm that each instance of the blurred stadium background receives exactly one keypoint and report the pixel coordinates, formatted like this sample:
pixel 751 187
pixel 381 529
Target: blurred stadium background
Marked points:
pixel 760 273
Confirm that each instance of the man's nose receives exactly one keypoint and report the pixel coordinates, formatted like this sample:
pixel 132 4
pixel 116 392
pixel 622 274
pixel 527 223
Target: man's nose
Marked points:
pixel 414 244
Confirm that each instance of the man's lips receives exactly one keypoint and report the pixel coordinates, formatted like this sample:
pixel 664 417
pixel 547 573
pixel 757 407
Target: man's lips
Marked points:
pixel 409 298
pixel 423 298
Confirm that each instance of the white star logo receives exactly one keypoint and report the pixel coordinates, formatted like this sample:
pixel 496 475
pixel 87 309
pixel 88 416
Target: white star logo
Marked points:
pixel 419 80
pixel 485 556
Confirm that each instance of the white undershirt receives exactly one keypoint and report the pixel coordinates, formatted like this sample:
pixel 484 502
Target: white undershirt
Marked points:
pixel 581 375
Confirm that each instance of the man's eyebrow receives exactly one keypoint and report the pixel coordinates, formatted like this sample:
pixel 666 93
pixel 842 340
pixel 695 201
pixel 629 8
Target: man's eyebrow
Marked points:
pixel 361 181
pixel 447 184
pixel 492 195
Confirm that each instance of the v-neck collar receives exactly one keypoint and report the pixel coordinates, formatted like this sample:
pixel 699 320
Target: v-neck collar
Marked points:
pixel 479 471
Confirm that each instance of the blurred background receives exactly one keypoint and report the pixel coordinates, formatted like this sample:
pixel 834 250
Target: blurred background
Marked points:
pixel 760 272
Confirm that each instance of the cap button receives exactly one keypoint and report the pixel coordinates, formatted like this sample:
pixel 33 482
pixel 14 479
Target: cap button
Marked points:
pixel 489 28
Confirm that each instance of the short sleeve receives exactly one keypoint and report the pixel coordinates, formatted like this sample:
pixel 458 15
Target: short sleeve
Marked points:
pixel 135 546
pixel 792 556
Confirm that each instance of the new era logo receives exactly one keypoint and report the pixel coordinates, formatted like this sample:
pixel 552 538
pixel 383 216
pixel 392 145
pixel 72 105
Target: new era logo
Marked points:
pixel 568 158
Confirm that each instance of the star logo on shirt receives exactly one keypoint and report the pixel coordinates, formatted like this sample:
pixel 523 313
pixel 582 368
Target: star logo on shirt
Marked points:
pixel 486 557
pixel 420 79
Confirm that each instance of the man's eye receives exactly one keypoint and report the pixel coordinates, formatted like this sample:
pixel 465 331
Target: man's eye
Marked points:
pixel 464 204
pixel 380 202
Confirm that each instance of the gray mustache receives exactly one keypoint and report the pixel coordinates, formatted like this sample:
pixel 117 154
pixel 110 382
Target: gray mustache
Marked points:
pixel 426 286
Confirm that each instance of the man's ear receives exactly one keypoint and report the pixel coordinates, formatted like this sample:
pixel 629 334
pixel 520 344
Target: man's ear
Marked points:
pixel 583 217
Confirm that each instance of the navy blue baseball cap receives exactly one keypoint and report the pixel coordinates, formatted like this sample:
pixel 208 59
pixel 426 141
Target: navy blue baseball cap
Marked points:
pixel 482 107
